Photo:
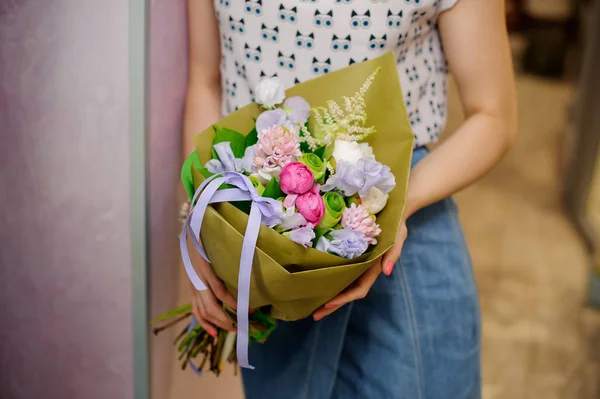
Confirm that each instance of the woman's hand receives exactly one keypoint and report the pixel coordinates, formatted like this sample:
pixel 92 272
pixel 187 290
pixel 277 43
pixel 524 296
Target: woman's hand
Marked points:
pixel 360 288
pixel 207 305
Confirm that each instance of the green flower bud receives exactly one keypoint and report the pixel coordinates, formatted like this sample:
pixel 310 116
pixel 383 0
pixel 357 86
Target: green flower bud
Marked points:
pixel 334 208
pixel 260 189
pixel 315 164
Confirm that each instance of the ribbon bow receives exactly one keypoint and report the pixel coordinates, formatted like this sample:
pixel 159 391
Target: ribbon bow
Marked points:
pixel 263 210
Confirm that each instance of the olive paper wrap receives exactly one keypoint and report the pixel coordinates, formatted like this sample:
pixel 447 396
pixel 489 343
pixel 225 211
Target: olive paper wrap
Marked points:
pixel 295 281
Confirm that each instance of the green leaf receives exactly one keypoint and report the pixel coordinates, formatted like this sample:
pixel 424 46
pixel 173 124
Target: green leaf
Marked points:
pixel 327 152
pixel 252 138
pixel 243 206
pixel 273 189
pixel 204 172
pixel 172 313
pixel 304 147
pixel 320 151
pixel 186 172
pixel 235 139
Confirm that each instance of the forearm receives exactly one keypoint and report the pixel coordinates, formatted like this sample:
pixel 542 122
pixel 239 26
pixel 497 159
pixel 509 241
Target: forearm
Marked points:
pixel 202 108
pixel 472 151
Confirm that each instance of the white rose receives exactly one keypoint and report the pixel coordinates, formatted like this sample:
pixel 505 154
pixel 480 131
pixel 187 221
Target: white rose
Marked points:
pixel 269 92
pixel 348 151
pixel 367 150
pixel 375 201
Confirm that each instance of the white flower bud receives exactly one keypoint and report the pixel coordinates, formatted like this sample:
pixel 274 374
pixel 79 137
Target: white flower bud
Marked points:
pixel 269 92
pixel 375 201
pixel 348 151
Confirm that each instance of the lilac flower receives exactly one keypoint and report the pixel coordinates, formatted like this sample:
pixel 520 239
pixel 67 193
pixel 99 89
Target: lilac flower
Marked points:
pixel 269 119
pixel 360 178
pixel 302 235
pixel 297 109
pixel 276 218
pixel 227 161
pixel 346 243
pixel 291 220
pixel 375 175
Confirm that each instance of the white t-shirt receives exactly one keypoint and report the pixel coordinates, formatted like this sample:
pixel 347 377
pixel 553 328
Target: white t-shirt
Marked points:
pixel 299 40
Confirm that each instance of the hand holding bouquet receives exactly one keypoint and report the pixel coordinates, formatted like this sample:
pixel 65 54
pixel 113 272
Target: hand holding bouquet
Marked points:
pixel 300 198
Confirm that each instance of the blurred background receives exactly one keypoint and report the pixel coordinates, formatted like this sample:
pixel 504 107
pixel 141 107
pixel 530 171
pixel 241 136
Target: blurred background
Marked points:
pixel 79 273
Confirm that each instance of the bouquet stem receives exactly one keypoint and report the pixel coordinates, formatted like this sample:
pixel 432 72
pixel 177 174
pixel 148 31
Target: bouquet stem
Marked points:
pixel 215 352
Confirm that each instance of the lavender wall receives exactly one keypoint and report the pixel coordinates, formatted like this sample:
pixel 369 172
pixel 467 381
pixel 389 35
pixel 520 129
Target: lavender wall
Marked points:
pixel 168 75
pixel 65 281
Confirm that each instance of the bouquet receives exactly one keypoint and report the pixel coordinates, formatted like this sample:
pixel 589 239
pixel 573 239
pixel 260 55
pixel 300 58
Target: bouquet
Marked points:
pixel 307 188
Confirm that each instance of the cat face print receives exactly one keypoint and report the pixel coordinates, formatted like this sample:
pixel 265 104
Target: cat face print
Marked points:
pixel 230 88
pixel 377 43
pixel 253 7
pixel 305 41
pixel 264 75
pixel 237 26
pixel 240 70
pixel 394 20
pixel 288 15
pixel 252 54
pixel 227 43
pixel 343 1
pixel 352 61
pixel 269 34
pixel 225 3
pixel 286 62
pixel 360 21
pixel 341 44
pixel 321 67
pixel 323 20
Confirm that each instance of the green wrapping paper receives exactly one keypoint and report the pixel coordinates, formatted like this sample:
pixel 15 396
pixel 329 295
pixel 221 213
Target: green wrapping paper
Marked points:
pixel 292 280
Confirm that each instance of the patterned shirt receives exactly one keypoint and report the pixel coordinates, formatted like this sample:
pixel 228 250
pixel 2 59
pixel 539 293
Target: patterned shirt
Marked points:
pixel 299 40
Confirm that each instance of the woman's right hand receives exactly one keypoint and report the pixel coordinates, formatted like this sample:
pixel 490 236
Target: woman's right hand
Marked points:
pixel 207 305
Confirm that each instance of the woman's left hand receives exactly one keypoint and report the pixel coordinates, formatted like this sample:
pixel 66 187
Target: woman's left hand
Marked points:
pixel 360 288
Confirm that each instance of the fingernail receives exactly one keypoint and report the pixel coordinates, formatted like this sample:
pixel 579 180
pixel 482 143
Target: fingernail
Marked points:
pixel 388 268
pixel 212 333
pixel 329 306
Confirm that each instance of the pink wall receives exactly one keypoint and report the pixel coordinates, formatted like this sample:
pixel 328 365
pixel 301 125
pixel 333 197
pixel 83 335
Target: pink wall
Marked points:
pixel 65 280
pixel 168 69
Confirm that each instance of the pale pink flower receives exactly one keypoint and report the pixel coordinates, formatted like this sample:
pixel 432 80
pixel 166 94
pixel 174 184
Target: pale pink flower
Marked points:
pixel 359 219
pixel 276 147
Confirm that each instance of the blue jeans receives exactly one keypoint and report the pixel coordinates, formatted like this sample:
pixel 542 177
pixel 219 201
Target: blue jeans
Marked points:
pixel 416 335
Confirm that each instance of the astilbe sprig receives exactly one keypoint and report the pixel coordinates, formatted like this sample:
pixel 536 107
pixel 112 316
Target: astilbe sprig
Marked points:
pixel 344 123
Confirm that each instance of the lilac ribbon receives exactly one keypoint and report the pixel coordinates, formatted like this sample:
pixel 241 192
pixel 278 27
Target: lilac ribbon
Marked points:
pixel 262 208
pixel 191 326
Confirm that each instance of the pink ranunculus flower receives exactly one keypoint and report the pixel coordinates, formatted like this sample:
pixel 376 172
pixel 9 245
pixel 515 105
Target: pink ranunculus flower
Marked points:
pixel 359 219
pixel 311 205
pixel 276 147
pixel 296 178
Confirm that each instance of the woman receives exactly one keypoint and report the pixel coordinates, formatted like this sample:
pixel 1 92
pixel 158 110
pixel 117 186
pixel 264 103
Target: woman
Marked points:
pixel 413 333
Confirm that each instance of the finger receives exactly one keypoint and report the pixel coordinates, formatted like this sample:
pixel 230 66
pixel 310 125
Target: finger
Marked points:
pixel 218 288
pixel 358 291
pixel 215 313
pixel 322 312
pixel 208 327
pixel 390 258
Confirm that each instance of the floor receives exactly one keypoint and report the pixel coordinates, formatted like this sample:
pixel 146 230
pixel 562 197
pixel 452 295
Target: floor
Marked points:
pixel 539 340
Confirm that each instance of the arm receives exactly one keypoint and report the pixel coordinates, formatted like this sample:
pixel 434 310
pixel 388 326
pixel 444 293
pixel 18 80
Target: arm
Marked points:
pixel 476 43
pixel 203 98
pixel 202 107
